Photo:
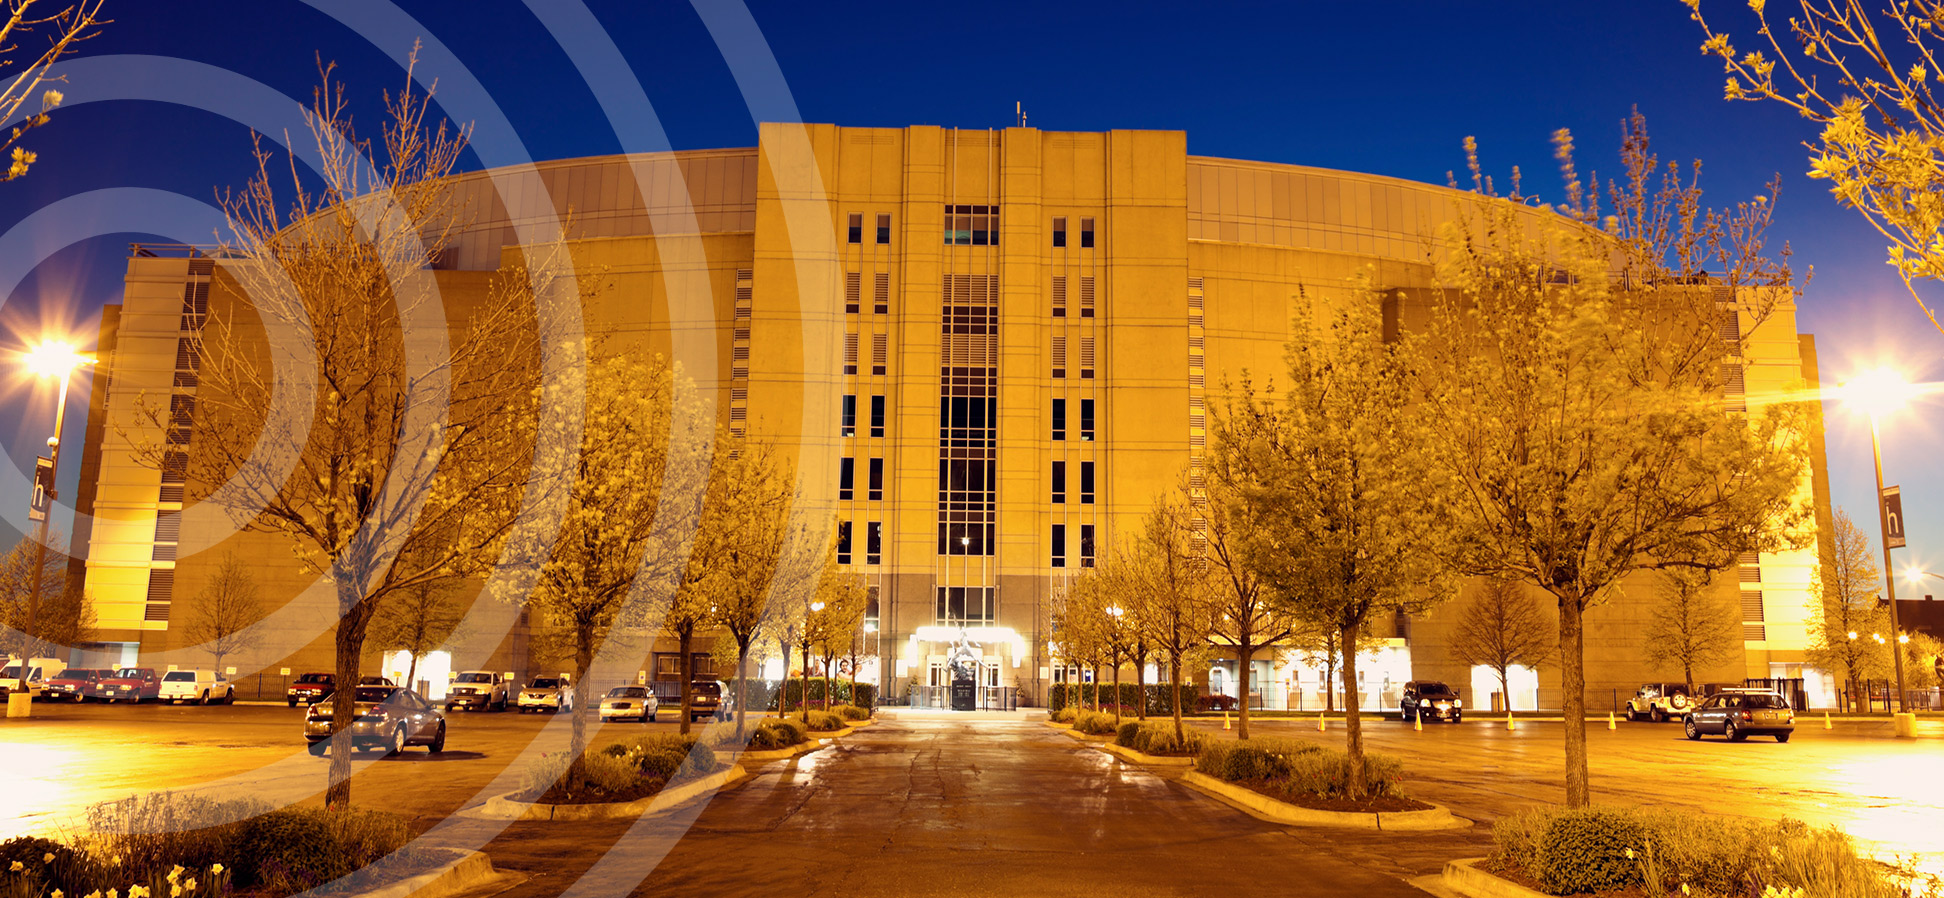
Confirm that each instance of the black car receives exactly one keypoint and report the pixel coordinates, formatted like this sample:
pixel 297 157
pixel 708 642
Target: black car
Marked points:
pixel 1741 713
pixel 1430 700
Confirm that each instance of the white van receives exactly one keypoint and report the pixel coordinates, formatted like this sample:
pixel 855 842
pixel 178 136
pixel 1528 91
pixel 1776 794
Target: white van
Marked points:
pixel 39 671
pixel 200 686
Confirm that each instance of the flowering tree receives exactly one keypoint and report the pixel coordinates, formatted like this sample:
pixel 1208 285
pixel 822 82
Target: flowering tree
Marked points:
pixel 1572 391
pixel 1166 579
pixel 1248 618
pixel 1881 147
pixel 1335 476
pixel 748 563
pixel 1079 625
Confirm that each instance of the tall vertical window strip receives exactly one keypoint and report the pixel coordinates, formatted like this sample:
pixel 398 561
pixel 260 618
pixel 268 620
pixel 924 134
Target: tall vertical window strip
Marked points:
pixel 968 415
pixel 1059 483
pixel 877 416
pixel 881 293
pixel 1059 295
pixel 850 353
pixel 880 353
pixel 846 477
pixel 876 482
pixel 843 542
pixel 1086 545
pixel 1086 483
pixel 884 229
pixel 1086 233
pixel 853 283
pixel 847 419
pixel 874 543
pixel 1086 296
pixel 1059 419
pixel 1059 545
pixel 1086 420
pixel 856 233
pixel 1059 231
pixel 971 225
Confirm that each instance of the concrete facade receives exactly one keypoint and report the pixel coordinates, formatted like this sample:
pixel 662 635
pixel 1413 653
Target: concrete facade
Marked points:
pixel 1020 304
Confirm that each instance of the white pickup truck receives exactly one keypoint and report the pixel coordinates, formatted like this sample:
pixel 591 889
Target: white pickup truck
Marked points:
pixel 203 687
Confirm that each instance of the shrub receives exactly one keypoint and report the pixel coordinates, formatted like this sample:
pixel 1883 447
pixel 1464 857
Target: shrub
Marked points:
pixel 1157 738
pixel 153 833
pixel 1326 772
pixel 1128 734
pixel 851 712
pixel 607 773
pixel 821 721
pixel 1253 759
pixel 291 850
pixel 663 755
pixel 1094 723
pixel 773 733
pixel 1215 703
pixel 1064 715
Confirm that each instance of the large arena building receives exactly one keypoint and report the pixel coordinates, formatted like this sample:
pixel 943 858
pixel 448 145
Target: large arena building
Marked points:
pixel 992 349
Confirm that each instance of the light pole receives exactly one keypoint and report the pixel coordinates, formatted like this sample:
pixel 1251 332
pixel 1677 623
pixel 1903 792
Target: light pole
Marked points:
pixel 52 358
pixel 1877 393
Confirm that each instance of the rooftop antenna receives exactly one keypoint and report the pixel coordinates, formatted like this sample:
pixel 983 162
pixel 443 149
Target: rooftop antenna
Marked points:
pixel 1019 113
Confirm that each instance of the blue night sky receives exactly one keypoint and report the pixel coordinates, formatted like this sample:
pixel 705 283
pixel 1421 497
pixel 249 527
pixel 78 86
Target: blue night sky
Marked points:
pixel 1324 84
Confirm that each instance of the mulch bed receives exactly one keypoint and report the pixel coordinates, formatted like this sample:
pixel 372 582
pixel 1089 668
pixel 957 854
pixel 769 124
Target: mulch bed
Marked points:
pixel 1380 804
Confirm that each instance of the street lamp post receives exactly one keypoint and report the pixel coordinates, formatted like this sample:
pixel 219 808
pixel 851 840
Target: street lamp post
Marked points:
pixel 51 358
pixel 1877 393
pixel 1889 578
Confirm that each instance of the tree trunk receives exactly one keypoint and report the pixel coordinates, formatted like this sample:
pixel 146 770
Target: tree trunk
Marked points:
pixel 742 686
pixel 803 701
pixel 1329 680
pixel 1352 720
pixel 685 640
pixel 1140 687
pixel 1505 687
pixel 350 635
pixel 783 688
pixel 411 674
pixel 583 689
pixel 1174 688
pixel 1117 695
pixel 1572 676
pixel 1096 686
pixel 1245 653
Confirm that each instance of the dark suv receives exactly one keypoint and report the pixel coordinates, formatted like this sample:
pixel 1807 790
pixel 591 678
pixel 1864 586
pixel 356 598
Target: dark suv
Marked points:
pixel 705 699
pixel 1430 700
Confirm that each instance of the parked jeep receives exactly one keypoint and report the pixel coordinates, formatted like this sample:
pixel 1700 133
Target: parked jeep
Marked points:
pixel 1659 702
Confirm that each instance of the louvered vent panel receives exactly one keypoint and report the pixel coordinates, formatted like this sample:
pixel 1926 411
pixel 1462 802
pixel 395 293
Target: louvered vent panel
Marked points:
pixel 164 552
pixel 1754 633
pixel 161 585
pixel 1750 574
pixel 1059 296
pixel 156 612
pixel 168 528
pixel 743 274
pixel 880 352
pixel 1086 296
pixel 1195 284
pixel 1751 605
pixel 1732 379
pixel 881 292
pixel 1086 352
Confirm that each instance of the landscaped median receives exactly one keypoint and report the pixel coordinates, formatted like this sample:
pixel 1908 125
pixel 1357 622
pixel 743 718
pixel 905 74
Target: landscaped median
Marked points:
pixel 1611 852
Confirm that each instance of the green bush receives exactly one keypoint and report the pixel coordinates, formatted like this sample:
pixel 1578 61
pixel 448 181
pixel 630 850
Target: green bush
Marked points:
pixel 1326 772
pixel 842 692
pixel 1158 738
pixel 607 773
pixel 291 850
pixel 1063 715
pixel 1260 758
pixel 851 712
pixel 1094 723
pixel 773 733
pixel 663 755
pixel 1128 733
pixel 821 721
pixel 1153 697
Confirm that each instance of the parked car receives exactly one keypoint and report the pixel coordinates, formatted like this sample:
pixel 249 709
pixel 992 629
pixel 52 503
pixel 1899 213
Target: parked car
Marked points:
pixel 1430 700
pixel 129 684
pixel 623 702
pixel 199 686
pixel 547 694
pixel 1659 701
pixel 375 681
pixel 705 700
pixel 388 718
pixel 310 687
pixel 74 684
pixel 1741 713
pixel 38 672
pixel 477 689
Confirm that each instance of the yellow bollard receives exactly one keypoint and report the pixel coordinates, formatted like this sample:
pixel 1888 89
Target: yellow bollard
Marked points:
pixel 1417 722
pixel 1826 724
pixel 1509 727
pixel 1319 722
pixel 1225 721
pixel 1611 724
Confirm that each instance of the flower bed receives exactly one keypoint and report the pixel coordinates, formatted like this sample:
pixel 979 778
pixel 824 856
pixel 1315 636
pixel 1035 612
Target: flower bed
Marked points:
pixel 164 844
pixel 1306 774
pixel 1609 851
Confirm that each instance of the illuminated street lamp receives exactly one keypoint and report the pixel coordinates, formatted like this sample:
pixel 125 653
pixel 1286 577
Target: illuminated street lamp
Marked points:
pixel 1878 393
pixel 50 359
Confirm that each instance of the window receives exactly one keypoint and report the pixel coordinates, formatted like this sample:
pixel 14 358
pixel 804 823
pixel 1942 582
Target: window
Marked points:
pixel 871 604
pixel 1059 483
pixel 881 293
pixel 849 416
pixel 877 416
pixel 880 352
pixel 1059 231
pixel 873 543
pixel 877 481
pixel 1086 545
pixel 884 229
pixel 846 477
pixel 1086 233
pixel 1059 545
pixel 964 604
pixel 1086 420
pixel 856 227
pixel 668 667
pixel 1059 419
pixel 972 225
pixel 1086 483
pixel 853 283
pixel 850 353
pixel 843 542
pixel 1059 296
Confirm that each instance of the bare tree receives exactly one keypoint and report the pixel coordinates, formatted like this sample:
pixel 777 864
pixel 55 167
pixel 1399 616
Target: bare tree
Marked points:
pixel 63 615
pixel 64 28
pixel 418 620
pixel 1845 613
pixel 1692 625
pixel 223 614
pixel 408 442
pixel 1501 627
pixel 1335 477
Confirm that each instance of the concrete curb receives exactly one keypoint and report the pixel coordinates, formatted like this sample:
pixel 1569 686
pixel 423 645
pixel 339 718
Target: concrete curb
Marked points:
pixel 1127 754
pixel 466 873
pixel 501 807
pixel 1464 877
pixel 779 754
pixel 1274 811
pixel 1085 737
